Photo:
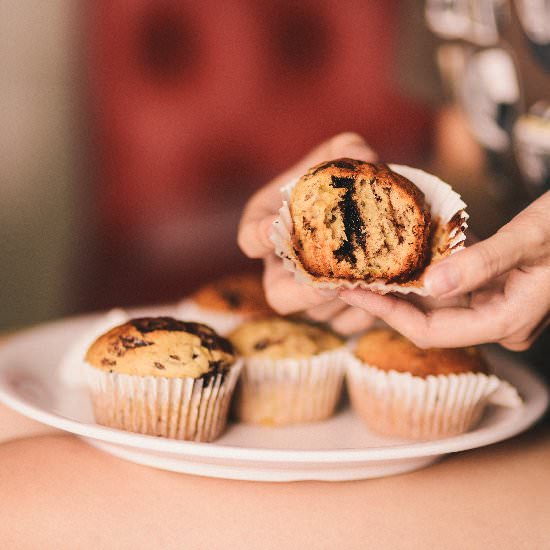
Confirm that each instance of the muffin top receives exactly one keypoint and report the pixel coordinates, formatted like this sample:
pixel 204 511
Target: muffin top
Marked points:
pixel 388 350
pixel 161 346
pixel 279 338
pixel 236 293
pixel 359 221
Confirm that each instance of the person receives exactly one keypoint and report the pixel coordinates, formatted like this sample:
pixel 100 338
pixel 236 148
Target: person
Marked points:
pixel 497 290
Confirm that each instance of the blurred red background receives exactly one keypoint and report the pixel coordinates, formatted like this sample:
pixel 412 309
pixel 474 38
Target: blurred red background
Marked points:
pixel 194 105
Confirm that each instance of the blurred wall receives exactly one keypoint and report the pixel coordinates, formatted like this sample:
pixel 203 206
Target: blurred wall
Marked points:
pixel 38 142
pixel 133 132
pixel 194 105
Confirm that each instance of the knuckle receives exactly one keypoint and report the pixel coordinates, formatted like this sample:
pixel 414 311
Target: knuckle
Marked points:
pixel 516 345
pixel 276 300
pixel 340 141
pixel 248 242
pixel 537 235
pixel 533 226
pixel 503 326
pixel 343 327
pixel 345 138
pixel 317 315
pixel 352 321
pixel 243 243
pixel 489 259
pixel 420 341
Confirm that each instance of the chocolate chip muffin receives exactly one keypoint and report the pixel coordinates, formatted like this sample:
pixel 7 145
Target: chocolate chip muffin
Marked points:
pixel 279 338
pixel 226 303
pixel 359 221
pixel 292 371
pixel 162 346
pixel 403 391
pixel 162 376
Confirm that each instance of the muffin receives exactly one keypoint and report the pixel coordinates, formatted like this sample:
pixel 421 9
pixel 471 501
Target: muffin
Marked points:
pixel 349 223
pixel 71 367
pixel 357 220
pixel 292 372
pixel 404 391
pixel 226 303
pixel 161 376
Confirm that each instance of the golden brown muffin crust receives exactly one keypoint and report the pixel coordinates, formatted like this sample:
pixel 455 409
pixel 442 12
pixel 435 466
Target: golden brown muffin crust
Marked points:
pixel 279 338
pixel 359 221
pixel 242 293
pixel 161 346
pixel 388 350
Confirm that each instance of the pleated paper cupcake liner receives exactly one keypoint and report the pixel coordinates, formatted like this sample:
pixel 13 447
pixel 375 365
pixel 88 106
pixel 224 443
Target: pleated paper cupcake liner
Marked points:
pixel 71 367
pixel 402 405
pixel 222 322
pixel 177 408
pixel 446 208
pixel 276 392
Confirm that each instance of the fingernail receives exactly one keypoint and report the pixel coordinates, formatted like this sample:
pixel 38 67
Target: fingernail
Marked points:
pixel 442 279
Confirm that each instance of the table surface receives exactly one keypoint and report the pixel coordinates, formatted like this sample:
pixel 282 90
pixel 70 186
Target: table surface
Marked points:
pixel 56 489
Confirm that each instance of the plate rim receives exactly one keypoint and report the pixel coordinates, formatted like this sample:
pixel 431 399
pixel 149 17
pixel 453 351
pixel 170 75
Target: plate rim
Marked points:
pixel 476 438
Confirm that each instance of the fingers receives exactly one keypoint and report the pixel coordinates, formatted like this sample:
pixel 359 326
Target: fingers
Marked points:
pixel 326 311
pixel 473 267
pixel 446 327
pixel 522 241
pixel 261 210
pixel 253 237
pixel 526 310
pixel 255 225
pixel 284 294
pixel 351 321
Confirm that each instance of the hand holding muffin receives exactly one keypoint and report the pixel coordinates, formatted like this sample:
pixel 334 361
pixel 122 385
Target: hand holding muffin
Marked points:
pixel 506 282
pixel 507 276
pixel 282 292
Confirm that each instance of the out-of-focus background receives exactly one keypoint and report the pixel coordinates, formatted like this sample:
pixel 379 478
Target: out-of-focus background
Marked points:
pixel 133 132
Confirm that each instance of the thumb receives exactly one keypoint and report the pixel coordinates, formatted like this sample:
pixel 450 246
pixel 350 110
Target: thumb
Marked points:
pixel 478 264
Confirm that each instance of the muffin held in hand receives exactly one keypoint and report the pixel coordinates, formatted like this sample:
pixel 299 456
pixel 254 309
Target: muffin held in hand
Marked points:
pixel 348 223
pixel 162 376
pixel 226 303
pixel 357 220
pixel 292 373
pixel 404 391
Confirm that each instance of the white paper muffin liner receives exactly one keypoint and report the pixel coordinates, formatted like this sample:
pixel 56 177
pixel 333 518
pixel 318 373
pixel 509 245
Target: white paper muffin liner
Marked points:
pixel 445 205
pixel 178 408
pixel 222 322
pixel 275 392
pixel 402 405
pixel 71 367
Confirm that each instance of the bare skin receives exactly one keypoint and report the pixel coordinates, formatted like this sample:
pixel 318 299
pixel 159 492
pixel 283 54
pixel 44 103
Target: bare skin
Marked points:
pixel 491 496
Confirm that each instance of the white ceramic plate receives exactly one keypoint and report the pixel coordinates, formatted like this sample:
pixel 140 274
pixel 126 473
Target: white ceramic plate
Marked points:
pixel 341 448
